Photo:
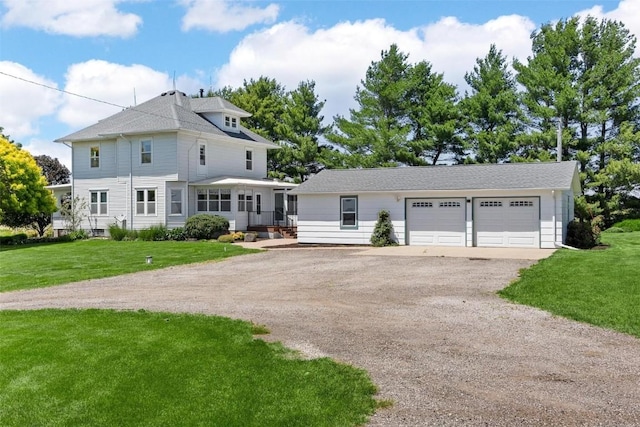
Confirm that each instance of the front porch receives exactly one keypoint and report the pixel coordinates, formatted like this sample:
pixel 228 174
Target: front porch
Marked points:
pixel 274 224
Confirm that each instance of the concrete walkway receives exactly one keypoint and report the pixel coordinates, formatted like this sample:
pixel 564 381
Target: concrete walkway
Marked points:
pixel 417 251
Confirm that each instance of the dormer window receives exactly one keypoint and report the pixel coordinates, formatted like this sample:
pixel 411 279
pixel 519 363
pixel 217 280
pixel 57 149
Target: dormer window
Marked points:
pixel 231 122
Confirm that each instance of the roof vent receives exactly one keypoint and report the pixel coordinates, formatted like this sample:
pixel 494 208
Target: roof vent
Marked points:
pixel 173 92
pixel 163 93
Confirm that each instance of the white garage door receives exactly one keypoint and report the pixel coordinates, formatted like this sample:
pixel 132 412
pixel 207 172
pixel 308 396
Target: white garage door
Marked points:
pixel 507 222
pixel 436 222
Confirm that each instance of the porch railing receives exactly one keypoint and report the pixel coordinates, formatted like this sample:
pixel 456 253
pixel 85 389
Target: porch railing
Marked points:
pixel 273 218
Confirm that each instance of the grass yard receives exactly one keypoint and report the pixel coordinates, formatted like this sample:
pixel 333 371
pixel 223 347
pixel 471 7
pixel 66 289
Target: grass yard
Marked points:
pixel 108 368
pixel 601 287
pixel 42 264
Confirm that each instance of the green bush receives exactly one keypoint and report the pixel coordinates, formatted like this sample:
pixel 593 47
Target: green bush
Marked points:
pixel 153 233
pixel 226 238
pixel 628 224
pixel 117 233
pixel 176 234
pixel 203 226
pixel 582 235
pixel 383 231
pixel 78 235
pixel 15 239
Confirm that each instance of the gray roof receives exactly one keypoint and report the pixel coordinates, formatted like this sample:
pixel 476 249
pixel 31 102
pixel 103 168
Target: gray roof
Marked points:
pixel 511 176
pixel 169 112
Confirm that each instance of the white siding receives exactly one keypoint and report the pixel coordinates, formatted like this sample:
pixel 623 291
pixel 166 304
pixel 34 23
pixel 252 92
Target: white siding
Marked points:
pixel 319 214
pixel 319 218
pixel 82 160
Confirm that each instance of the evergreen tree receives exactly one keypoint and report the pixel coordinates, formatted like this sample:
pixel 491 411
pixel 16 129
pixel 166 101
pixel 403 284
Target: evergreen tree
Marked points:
pixel 492 109
pixel 376 132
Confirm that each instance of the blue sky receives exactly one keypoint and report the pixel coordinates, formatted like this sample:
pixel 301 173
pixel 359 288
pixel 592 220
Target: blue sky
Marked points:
pixel 109 49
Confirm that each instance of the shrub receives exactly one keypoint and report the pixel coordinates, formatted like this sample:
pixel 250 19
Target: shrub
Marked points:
pixel 15 239
pixel 78 235
pixel 628 225
pixel 153 233
pixel 116 232
pixel 383 231
pixel 226 238
pixel 176 234
pixel 581 234
pixel 203 226
pixel 238 235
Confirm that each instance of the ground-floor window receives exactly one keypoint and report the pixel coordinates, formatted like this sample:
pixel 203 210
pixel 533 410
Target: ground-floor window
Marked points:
pixel 176 201
pixel 146 202
pixel 214 200
pixel 245 202
pixel 98 203
pixel 349 212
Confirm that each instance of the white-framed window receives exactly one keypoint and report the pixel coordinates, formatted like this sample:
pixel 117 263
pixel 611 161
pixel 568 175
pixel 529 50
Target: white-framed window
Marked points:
pixel 214 200
pixel 248 156
pixel 449 204
pixel 146 201
pixel 245 202
pixel 348 212
pixel 202 153
pixel 231 122
pixel 176 201
pixel 521 204
pixel 146 151
pixel 98 202
pixel 95 156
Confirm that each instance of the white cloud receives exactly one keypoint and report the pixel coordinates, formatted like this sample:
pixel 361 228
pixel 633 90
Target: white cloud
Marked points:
pixel 74 18
pixel 23 103
pixel 223 16
pixel 115 84
pixel 627 12
pixel 337 58
pixel 37 147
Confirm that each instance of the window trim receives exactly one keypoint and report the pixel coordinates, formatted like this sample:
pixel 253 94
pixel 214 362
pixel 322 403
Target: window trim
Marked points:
pixel 99 203
pixel 343 212
pixel 245 201
pixel 150 141
pixel 172 202
pixel 146 201
pixel 96 157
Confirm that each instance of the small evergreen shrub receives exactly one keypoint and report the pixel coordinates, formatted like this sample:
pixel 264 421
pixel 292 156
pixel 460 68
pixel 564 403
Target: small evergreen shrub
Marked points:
pixel 226 238
pixel 383 231
pixel 582 235
pixel 15 239
pixel 203 226
pixel 78 235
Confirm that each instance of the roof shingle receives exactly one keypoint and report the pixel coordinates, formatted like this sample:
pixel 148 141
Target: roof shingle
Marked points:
pixel 510 176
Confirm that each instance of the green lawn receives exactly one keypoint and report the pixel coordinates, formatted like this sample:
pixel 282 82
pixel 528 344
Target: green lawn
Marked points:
pixel 601 287
pixel 40 265
pixel 108 368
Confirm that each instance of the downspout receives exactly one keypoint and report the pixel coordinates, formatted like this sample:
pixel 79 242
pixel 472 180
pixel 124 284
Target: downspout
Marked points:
pixel 553 218
pixel 73 187
pixel 129 202
pixel 189 171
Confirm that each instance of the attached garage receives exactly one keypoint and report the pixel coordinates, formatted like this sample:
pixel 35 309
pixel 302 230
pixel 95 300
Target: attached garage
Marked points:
pixel 507 222
pixel 436 222
pixel 526 205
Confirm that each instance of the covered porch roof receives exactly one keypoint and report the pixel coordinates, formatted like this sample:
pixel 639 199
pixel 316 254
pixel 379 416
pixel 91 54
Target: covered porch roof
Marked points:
pixel 231 181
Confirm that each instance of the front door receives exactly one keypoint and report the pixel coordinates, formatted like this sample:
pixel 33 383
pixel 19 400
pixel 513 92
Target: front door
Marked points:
pixel 279 208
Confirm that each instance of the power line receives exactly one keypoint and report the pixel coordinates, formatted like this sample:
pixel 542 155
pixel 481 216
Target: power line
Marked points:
pixel 61 90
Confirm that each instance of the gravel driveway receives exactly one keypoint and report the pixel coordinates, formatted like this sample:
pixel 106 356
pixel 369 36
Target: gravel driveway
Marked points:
pixel 430 331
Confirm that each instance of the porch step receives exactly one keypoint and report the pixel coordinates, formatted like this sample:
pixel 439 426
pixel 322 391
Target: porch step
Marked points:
pixel 286 232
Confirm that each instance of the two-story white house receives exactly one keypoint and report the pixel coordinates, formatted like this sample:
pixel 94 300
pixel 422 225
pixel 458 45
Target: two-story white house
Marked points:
pixel 170 158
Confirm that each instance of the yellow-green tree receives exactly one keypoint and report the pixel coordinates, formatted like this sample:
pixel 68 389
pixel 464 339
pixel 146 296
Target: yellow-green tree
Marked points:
pixel 22 192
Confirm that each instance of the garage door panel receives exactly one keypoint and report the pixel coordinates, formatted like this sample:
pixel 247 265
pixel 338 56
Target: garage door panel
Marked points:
pixel 507 222
pixel 436 222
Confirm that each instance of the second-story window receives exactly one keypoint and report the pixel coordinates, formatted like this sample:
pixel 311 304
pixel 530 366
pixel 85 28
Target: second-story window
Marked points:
pixel 203 154
pixel 145 151
pixel 231 122
pixel 95 157
pixel 249 159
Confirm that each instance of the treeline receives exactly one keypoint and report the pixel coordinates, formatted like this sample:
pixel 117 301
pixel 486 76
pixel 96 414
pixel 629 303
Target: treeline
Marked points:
pixel 582 80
